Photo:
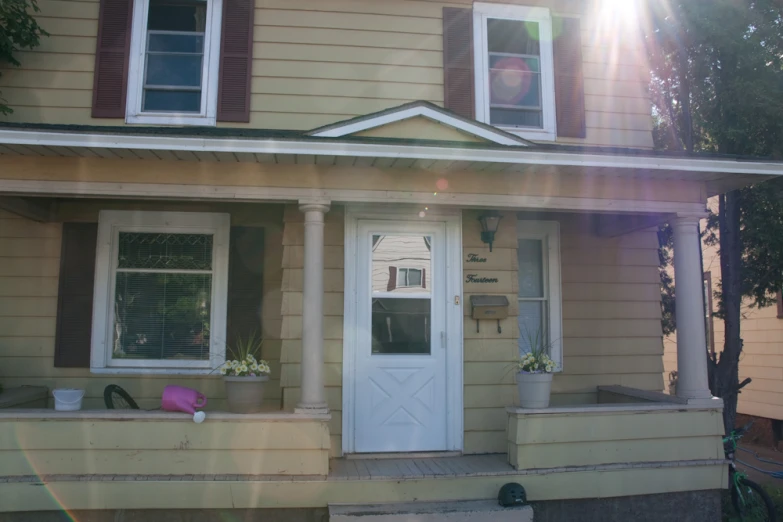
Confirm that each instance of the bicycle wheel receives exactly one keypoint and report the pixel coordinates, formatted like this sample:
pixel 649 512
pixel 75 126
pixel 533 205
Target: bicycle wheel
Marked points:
pixel 752 503
pixel 118 399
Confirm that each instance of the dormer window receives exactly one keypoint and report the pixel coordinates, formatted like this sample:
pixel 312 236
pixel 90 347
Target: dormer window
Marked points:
pixel 174 62
pixel 514 69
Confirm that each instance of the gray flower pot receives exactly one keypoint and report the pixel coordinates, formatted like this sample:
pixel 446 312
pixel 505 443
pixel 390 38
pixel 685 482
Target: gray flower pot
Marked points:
pixel 245 394
pixel 534 389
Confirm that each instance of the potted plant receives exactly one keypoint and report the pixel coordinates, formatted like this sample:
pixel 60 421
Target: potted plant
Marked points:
pixel 534 374
pixel 245 375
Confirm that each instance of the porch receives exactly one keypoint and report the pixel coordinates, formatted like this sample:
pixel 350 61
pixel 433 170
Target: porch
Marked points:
pixel 128 460
pixel 609 313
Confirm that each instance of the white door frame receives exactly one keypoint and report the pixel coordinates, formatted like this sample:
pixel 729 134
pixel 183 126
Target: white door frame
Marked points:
pixel 454 342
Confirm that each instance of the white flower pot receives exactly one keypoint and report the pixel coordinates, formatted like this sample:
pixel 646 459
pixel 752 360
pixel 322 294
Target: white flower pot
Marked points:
pixel 534 389
pixel 245 394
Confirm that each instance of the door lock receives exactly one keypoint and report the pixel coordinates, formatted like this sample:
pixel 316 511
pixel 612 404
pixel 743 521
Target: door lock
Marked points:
pixel 456 300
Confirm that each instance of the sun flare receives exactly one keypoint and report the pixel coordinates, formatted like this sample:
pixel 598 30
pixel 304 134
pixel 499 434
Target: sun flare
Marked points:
pixel 620 10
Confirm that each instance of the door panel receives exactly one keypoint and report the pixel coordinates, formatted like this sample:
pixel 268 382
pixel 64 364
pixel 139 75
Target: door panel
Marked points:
pixel 401 357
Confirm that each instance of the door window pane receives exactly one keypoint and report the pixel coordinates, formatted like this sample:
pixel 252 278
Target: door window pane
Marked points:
pixel 531 270
pixel 401 326
pixel 401 264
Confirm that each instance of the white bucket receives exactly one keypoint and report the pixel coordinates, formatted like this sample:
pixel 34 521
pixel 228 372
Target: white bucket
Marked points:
pixel 68 399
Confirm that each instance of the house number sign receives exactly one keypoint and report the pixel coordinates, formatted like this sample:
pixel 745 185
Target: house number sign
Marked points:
pixel 475 278
pixel 474 258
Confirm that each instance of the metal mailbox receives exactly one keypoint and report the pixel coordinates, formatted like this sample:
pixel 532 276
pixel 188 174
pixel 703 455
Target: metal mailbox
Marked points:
pixel 489 306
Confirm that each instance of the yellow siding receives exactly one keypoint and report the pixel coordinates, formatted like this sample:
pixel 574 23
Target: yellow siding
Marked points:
pixel 320 62
pixel 419 128
pixel 611 323
pixel 29 270
pixel 551 440
pixel 163 447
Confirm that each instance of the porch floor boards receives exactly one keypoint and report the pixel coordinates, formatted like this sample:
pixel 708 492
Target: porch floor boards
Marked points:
pixel 416 468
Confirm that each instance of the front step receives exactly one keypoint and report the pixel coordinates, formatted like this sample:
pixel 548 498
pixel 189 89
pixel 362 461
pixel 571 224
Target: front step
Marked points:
pixel 458 511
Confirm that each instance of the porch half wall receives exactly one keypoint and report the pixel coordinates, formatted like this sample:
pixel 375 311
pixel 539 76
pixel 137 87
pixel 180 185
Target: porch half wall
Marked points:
pixel 611 319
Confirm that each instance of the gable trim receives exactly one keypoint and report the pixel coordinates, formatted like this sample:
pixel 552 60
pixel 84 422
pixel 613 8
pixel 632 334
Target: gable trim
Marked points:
pixel 437 115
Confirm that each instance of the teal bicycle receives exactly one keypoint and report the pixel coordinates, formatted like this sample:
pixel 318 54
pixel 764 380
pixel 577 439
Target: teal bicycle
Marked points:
pixel 749 500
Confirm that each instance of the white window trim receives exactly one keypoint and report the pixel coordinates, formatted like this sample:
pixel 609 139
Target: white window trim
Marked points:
pixel 549 233
pixel 541 15
pixel 110 223
pixel 209 72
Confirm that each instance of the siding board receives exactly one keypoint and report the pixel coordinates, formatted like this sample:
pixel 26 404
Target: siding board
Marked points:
pixel 386 44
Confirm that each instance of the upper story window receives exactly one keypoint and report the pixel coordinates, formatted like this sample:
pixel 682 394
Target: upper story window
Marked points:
pixel 514 69
pixel 174 62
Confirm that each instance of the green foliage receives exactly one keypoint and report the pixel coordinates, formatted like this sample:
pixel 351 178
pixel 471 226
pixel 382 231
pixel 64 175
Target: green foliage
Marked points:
pixel 665 247
pixel 761 237
pixel 537 359
pixel 718 65
pixel 244 358
pixel 18 30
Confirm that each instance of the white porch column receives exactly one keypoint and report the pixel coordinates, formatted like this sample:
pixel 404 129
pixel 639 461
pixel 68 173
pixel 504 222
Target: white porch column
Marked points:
pixel 313 398
pixel 692 383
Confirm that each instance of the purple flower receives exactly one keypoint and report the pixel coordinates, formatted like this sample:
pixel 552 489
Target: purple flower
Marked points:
pixel 252 374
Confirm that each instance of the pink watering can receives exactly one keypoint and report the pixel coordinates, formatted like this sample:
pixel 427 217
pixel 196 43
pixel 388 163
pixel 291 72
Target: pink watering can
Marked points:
pixel 179 398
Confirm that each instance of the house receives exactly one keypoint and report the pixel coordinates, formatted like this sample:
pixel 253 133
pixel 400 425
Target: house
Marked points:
pixel 762 336
pixel 177 174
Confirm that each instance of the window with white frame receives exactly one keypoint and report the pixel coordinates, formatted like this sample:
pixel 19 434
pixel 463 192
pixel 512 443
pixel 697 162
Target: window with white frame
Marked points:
pixel 409 277
pixel 160 292
pixel 540 316
pixel 175 48
pixel 514 69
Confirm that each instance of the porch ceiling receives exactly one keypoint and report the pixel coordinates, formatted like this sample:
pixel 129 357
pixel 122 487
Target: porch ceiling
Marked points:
pixel 720 173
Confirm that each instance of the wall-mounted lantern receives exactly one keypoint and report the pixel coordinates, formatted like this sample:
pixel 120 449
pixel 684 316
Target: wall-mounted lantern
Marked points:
pixel 490 220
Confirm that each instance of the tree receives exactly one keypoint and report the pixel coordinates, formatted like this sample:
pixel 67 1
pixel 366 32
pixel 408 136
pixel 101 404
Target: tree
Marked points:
pixel 718 87
pixel 18 30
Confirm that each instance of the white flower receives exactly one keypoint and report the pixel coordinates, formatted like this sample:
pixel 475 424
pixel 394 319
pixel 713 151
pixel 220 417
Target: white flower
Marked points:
pixel 254 367
pixel 223 370
pixel 243 368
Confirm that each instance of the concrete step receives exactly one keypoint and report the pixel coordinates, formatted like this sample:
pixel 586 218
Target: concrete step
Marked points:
pixel 462 511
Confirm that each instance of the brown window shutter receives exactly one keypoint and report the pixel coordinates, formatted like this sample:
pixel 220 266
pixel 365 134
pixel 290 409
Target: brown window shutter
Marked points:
pixel 392 284
pixel 424 278
pixel 110 82
pixel 75 294
pixel 569 79
pixel 245 283
pixel 459 86
pixel 236 61
pixel 780 305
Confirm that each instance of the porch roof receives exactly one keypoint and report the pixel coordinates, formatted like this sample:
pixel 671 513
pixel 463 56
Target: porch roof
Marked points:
pixel 231 145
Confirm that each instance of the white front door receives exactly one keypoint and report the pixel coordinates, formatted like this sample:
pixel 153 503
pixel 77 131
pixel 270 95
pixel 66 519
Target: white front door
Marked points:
pixel 401 337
